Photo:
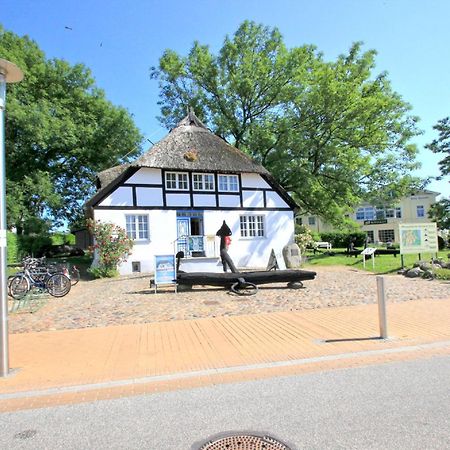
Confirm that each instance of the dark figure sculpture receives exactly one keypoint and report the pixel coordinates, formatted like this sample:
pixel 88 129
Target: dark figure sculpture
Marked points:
pixel 224 233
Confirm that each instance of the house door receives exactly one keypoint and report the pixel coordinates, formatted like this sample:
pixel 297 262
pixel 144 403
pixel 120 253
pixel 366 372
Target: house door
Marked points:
pixel 190 233
pixel 183 233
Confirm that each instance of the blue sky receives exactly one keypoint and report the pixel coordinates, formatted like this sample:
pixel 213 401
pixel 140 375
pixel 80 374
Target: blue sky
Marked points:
pixel 120 40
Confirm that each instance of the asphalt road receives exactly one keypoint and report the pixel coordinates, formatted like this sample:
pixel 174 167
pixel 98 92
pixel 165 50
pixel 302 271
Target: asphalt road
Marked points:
pixel 401 405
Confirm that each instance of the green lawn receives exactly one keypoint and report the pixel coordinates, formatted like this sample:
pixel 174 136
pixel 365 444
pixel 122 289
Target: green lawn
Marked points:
pixel 383 263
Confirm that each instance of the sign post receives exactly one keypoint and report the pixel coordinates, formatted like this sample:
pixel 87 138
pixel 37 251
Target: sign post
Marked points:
pixel 418 238
pixel 382 307
pixel 369 251
pixel 9 73
pixel 165 271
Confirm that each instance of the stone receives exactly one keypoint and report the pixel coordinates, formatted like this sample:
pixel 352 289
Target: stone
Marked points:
pixel 292 256
pixel 416 272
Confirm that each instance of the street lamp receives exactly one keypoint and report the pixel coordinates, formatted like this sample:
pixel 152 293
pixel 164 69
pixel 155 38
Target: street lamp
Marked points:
pixel 9 73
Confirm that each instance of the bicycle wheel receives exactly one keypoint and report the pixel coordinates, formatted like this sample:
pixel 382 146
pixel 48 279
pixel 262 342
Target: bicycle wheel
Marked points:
pixel 58 285
pixel 19 286
pixel 74 275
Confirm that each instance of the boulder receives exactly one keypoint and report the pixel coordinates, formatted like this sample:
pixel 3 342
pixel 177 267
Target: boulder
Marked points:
pixel 292 256
pixel 415 272
pixel 442 263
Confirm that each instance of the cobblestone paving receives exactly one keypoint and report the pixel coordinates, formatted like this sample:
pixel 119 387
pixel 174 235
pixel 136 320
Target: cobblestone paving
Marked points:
pixel 129 300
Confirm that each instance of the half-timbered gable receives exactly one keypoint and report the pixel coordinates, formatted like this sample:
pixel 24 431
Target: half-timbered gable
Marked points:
pixel 177 195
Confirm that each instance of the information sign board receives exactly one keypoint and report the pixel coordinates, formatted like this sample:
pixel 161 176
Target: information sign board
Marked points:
pixel 165 271
pixel 369 251
pixel 418 238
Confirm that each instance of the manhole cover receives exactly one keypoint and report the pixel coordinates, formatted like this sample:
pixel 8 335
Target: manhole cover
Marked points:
pixel 26 434
pixel 244 442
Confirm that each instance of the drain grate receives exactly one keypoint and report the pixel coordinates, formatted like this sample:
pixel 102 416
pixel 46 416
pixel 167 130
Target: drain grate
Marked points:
pixel 26 434
pixel 244 442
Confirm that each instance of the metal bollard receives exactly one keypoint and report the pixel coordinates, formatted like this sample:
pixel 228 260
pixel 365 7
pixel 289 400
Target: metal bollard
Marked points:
pixel 382 307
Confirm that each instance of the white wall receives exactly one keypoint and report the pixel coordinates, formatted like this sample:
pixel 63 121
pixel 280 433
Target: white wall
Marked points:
pixel 178 199
pixel 254 180
pixel 245 252
pixel 204 200
pixel 146 175
pixel 229 201
pixel 163 232
pixel 149 196
pixel 275 201
pixel 252 199
pixel 122 196
pixel 253 252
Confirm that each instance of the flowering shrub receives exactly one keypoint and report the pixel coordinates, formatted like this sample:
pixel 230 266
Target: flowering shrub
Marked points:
pixel 112 246
pixel 304 238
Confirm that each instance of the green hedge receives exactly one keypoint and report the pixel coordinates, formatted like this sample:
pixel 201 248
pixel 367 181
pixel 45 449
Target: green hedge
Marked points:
pixel 63 238
pixel 34 245
pixel 13 248
pixel 341 239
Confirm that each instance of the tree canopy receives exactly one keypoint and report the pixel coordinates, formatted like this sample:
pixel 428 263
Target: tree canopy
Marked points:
pixel 60 130
pixel 440 213
pixel 442 144
pixel 331 133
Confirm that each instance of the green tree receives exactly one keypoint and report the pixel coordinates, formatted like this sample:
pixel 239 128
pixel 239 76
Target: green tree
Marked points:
pixel 439 212
pixel 442 145
pixel 331 133
pixel 60 131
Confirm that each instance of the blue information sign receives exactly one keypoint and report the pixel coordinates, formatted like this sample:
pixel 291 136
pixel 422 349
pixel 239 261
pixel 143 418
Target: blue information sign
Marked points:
pixel 165 272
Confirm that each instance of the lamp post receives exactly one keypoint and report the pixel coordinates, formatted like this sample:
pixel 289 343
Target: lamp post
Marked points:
pixel 9 73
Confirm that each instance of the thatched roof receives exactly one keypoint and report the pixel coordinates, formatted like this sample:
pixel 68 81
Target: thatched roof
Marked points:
pixel 109 175
pixel 191 146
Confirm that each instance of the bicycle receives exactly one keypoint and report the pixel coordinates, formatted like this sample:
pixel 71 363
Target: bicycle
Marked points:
pixel 72 273
pixel 38 277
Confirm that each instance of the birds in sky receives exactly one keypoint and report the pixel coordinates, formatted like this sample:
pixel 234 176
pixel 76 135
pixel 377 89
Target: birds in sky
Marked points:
pixel 71 29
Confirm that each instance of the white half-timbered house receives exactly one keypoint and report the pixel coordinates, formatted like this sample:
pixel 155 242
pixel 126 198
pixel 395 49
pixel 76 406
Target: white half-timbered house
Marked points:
pixel 177 195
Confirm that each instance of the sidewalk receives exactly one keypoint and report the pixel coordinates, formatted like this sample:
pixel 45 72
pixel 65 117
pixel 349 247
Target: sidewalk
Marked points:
pixel 60 367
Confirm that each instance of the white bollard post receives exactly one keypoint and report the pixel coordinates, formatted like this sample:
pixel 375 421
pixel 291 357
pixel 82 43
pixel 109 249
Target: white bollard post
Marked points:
pixel 382 307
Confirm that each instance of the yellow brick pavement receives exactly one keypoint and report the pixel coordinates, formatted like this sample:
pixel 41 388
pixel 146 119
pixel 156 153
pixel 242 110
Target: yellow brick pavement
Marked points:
pixel 59 367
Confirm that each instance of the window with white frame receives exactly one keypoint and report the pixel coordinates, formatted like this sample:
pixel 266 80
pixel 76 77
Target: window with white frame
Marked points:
pixel 228 183
pixel 420 211
pixel 252 226
pixel 136 226
pixel 386 235
pixel 177 180
pixel 203 181
pixel 366 213
pixel 311 220
pixel 392 213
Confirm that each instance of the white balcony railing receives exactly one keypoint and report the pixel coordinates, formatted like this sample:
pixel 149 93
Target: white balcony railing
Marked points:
pixel 195 246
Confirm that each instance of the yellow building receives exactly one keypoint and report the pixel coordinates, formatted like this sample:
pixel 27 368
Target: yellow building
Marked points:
pixel 381 224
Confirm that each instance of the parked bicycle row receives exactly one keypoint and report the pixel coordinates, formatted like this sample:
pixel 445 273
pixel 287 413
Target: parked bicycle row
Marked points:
pixel 38 274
